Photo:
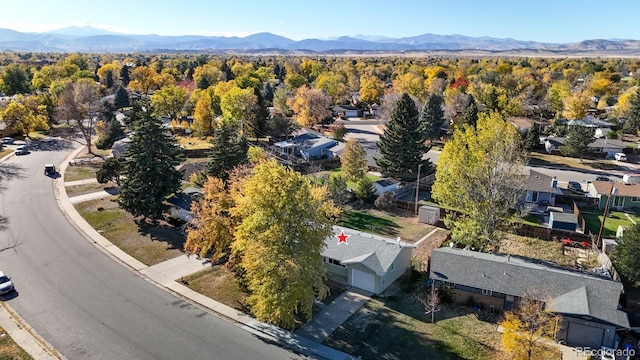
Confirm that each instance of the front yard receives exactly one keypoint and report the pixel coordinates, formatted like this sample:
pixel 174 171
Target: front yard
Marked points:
pixel 80 172
pixel 150 244
pixel 396 327
pixel 544 159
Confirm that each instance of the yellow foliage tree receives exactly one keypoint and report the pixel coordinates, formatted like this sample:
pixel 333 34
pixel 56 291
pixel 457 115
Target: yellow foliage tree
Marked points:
pixel 525 328
pixel 143 79
pixel 25 114
pixel 354 161
pixel 576 105
pixel 371 89
pixel 310 106
pixel 279 241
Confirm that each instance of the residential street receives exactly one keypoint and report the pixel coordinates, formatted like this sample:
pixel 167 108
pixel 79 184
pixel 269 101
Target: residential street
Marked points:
pixel 89 306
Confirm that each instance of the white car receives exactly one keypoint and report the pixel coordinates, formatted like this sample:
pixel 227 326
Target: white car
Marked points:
pixel 620 157
pixel 6 285
pixel 22 150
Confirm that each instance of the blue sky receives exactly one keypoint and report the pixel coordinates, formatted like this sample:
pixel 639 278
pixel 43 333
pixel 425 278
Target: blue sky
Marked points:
pixel 556 21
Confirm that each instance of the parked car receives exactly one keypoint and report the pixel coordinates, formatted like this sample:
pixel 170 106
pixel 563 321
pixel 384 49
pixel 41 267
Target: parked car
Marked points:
pixel 602 178
pixel 6 285
pixel 50 169
pixel 620 157
pixel 574 186
pixel 22 150
pixel 6 140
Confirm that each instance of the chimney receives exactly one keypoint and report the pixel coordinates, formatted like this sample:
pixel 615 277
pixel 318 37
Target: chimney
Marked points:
pixel 508 258
pixel 554 182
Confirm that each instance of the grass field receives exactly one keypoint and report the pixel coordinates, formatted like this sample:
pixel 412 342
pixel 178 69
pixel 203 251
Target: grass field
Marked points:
pixel 593 219
pixel 77 172
pixel 148 243
pixel 391 224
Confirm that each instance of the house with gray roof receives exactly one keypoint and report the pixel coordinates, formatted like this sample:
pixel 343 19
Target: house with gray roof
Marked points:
pixel 588 304
pixel 309 146
pixel 366 261
pixel 603 146
pixel 541 189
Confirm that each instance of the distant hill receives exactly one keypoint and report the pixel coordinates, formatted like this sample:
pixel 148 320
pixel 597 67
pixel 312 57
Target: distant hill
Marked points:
pixel 90 39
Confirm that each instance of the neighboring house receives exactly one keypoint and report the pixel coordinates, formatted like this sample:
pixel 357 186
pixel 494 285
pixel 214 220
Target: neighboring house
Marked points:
pixel 524 124
pixel 607 147
pixel 189 169
pixel 563 221
pixel 381 186
pixel 588 304
pixel 120 147
pixel 346 111
pixel 180 203
pixel 541 189
pixel 308 146
pixel 627 195
pixel 590 121
pixel 366 261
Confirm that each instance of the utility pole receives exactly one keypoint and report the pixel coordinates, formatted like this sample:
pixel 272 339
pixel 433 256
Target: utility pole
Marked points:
pixel 418 187
pixel 612 193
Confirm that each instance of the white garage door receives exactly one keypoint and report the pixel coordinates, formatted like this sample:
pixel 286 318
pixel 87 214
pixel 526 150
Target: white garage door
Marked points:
pixel 363 280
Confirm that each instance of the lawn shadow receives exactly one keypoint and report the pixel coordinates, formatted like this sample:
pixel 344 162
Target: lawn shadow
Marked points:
pixel 163 232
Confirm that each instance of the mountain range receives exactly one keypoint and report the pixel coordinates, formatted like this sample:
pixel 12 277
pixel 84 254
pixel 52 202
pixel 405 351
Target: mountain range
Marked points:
pixel 90 39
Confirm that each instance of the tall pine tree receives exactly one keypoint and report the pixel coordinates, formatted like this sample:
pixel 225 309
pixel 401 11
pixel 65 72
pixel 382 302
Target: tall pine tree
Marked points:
pixel 402 144
pixel 470 114
pixel 149 170
pixel 122 98
pixel 632 125
pixel 228 151
pixel 533 137
pixel 432 117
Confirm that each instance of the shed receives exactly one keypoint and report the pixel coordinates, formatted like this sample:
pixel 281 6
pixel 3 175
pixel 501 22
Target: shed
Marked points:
pixel 384 185
pixel 428 214
pixel 563 221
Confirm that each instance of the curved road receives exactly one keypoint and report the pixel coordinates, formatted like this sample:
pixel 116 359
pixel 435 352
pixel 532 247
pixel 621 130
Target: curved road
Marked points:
pixel 87 305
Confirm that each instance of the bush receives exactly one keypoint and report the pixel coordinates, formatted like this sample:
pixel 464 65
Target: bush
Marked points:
pixel 384 201
pixel 445 294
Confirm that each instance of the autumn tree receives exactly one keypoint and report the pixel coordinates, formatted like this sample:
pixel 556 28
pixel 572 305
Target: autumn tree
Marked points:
pixel 149 172
pixel 432 117
pixel 143 79
pixel 371 90
pixel 280 97
pixel 526 328
pixel 279 241
pixel 310 106
pixel 24 115
pixel 212 227
pixel 228 151
pixel 332 84
pixel 169 100
pixel 625 254
pixel 577 141
pixel 108 74
pixel 79 103
pixel 237 107
pixel 479 173
pixel 402 143
pixel 354 161
pixel 576 105
pixel 205 113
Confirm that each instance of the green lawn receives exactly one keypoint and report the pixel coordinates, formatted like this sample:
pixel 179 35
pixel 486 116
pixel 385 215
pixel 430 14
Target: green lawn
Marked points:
pixel 593 219
pixel 78 172
pixel 390 224
pixel 194 143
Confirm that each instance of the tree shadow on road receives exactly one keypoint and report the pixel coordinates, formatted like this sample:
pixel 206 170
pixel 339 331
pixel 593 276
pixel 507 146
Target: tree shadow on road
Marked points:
pixel 10 172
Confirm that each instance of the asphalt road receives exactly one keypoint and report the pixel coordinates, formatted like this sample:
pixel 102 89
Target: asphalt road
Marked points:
pixel 87 305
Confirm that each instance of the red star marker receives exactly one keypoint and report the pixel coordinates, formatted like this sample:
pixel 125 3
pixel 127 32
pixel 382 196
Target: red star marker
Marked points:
pixel 342 238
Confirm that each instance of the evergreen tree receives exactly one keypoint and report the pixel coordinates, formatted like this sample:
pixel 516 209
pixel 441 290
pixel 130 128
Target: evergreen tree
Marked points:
pixel 226 70
pixel 470 114
pixel 402 144
pixel 124 75
pixel 625 255
pixel 203 83
pixel 533 137
pixel 364 189
pixel 228 151
pixel 577 141
pixel 432 117
pixel 122 98
pixel 108 80
pixel 632 125
pixel 149 171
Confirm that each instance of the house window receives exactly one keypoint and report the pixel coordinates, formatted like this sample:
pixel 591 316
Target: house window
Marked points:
pixel 335 262
pixel 534 196
pixel 635 199
pixel 487 292
pixel 449 284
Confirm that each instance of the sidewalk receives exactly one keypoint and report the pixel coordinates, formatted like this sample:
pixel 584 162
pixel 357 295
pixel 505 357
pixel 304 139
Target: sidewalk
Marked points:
pixel 166 273
pixel 90 196
pixel 333 315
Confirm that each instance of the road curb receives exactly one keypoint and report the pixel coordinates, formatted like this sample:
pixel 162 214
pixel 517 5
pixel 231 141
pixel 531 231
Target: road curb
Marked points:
pixel 33 342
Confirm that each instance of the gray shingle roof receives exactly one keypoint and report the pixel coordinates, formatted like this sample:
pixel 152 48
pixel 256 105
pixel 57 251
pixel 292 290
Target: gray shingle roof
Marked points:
pixel 571 292
pixel 564 217
pixel 307 141
pixel 373 251
pixel 386 182
pixel 540 182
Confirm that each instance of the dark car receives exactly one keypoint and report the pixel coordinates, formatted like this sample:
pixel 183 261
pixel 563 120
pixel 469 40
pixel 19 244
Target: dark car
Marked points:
pixel 574 186
pixel 602 178
pixel 50 169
